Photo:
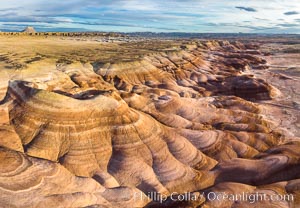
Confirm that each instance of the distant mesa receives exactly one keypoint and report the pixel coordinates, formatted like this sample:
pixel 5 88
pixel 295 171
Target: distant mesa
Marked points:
pixel 29 30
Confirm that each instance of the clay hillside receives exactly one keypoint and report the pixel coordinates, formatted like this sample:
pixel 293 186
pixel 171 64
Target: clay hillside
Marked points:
pixel 103 121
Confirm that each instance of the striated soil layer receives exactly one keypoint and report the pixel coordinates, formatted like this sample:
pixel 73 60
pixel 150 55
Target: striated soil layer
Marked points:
pixel 142 123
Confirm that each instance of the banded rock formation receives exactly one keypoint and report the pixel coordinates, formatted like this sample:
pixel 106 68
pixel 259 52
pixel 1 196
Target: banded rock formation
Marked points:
pixel 32 182
pixel 197 73
pixel 172 122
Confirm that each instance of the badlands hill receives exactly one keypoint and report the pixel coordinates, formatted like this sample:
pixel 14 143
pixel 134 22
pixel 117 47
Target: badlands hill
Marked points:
pixel 91 124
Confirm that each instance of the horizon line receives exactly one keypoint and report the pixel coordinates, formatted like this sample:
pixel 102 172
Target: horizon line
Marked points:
pixel 153 32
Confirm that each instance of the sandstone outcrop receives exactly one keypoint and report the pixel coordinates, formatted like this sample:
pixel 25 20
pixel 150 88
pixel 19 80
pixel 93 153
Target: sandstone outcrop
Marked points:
pixel 29 30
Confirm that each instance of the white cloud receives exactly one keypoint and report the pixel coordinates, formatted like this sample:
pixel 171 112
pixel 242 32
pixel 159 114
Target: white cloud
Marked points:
pixel 189 15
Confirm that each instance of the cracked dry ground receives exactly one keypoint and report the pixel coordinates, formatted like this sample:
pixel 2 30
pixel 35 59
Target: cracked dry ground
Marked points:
pixel 181 119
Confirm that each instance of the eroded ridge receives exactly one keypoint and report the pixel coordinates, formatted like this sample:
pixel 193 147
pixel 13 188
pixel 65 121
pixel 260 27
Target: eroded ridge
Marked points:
pixel 97 134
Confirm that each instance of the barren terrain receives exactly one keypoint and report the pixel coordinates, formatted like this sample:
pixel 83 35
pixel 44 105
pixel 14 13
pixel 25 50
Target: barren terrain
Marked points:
pixel 104 121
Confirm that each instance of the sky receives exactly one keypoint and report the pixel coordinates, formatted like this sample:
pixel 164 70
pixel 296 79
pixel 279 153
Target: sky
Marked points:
pixel 195 16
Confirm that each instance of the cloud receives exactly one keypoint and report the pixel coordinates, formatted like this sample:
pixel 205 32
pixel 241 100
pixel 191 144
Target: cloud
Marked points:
pixel 291 13
pixel 248 9
pixel 262 19
pixel 150 15
pixel 288 25
pixel 12 9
